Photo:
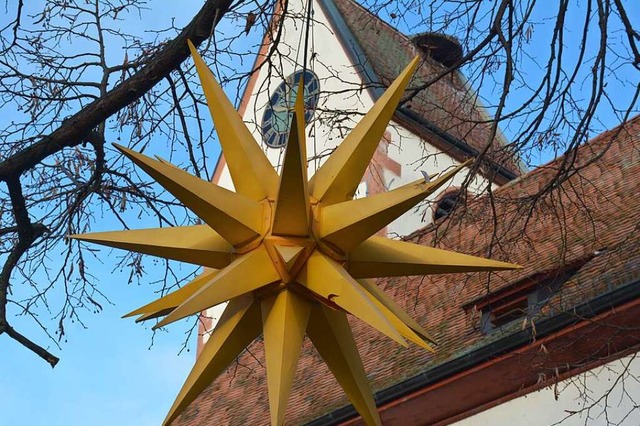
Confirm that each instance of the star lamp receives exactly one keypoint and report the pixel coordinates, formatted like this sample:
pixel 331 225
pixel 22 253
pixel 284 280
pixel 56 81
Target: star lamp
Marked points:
pixel 290 255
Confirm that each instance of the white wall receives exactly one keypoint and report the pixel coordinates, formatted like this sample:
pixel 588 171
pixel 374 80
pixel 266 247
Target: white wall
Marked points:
pixel 607 395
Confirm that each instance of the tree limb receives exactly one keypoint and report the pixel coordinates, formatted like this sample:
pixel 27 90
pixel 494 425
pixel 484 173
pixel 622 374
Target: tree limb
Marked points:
pixel 73 130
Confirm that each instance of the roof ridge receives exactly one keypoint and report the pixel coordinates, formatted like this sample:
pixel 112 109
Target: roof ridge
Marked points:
pixel 385 23
pixel 599 138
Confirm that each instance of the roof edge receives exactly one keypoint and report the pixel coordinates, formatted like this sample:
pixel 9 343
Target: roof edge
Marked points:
pixel 502 173
pixel 352 47
pixel 375 88
pixel 546 327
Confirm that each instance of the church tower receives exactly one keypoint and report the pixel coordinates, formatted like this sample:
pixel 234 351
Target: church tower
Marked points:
pixel 352 57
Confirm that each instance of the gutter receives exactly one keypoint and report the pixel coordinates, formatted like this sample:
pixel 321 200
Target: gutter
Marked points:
pixel 590 309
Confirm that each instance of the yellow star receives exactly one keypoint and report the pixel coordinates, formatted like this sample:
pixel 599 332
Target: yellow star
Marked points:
pixel 291 255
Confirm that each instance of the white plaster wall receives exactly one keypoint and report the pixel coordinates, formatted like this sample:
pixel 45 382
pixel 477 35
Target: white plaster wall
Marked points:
pixel 336 74
pixel 607 395
pixel 416 155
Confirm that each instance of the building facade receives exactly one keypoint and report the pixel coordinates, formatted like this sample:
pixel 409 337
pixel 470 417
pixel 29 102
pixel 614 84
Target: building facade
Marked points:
pixel 553 342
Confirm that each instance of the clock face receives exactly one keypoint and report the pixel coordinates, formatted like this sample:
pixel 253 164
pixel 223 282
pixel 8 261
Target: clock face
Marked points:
pixel 276 120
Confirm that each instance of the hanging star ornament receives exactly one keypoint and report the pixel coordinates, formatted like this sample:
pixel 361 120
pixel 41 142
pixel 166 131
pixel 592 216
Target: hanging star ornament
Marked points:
pixel 290 255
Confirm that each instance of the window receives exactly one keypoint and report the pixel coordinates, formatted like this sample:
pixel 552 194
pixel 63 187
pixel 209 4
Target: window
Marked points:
pixel 499 315
pixel 518 306
pixel 523 299
pixel 446 204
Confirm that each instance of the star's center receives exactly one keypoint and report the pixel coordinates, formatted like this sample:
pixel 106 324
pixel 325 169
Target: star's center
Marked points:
pixel 288 254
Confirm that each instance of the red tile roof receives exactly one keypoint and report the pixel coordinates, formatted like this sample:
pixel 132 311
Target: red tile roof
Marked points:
pixel 591 210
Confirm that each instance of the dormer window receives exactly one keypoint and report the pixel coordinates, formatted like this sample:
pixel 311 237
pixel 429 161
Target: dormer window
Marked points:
pixel 523 299
pixel 525 303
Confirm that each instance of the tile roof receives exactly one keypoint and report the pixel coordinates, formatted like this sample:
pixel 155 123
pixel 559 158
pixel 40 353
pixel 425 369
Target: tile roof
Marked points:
pixel 589 215
pixel 449 108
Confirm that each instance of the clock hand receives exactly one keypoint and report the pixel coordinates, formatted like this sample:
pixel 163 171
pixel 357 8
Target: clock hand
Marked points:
pixel 282 109
pixel 277 108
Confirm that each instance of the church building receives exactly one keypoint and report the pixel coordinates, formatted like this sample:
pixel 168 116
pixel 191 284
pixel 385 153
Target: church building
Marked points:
pixel 552 343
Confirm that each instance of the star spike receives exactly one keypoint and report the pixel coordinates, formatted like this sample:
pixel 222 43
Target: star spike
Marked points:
pixel 154 315
pixel 292 210
pixel 404 328
pixel 197 244
pixel 380 257
pixel 237 218
pixel 349 223
pixel 284 321
pixel 339 177
pixel 330 333
pixel 251 172
pixel 239 325
pixel 390 304
pixel 172 300
pixel 167 162
pixel 245 275
pixel 437 181
pixel 327 279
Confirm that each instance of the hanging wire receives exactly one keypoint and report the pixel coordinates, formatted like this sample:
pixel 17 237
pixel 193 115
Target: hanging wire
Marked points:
pixel 300 41
pixel 314 123
pixel 306 37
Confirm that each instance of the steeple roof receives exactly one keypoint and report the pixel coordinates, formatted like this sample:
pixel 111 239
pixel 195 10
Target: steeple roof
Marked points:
pixel 446 113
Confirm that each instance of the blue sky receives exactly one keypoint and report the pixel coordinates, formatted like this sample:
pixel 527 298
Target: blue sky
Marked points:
pixel 108 374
